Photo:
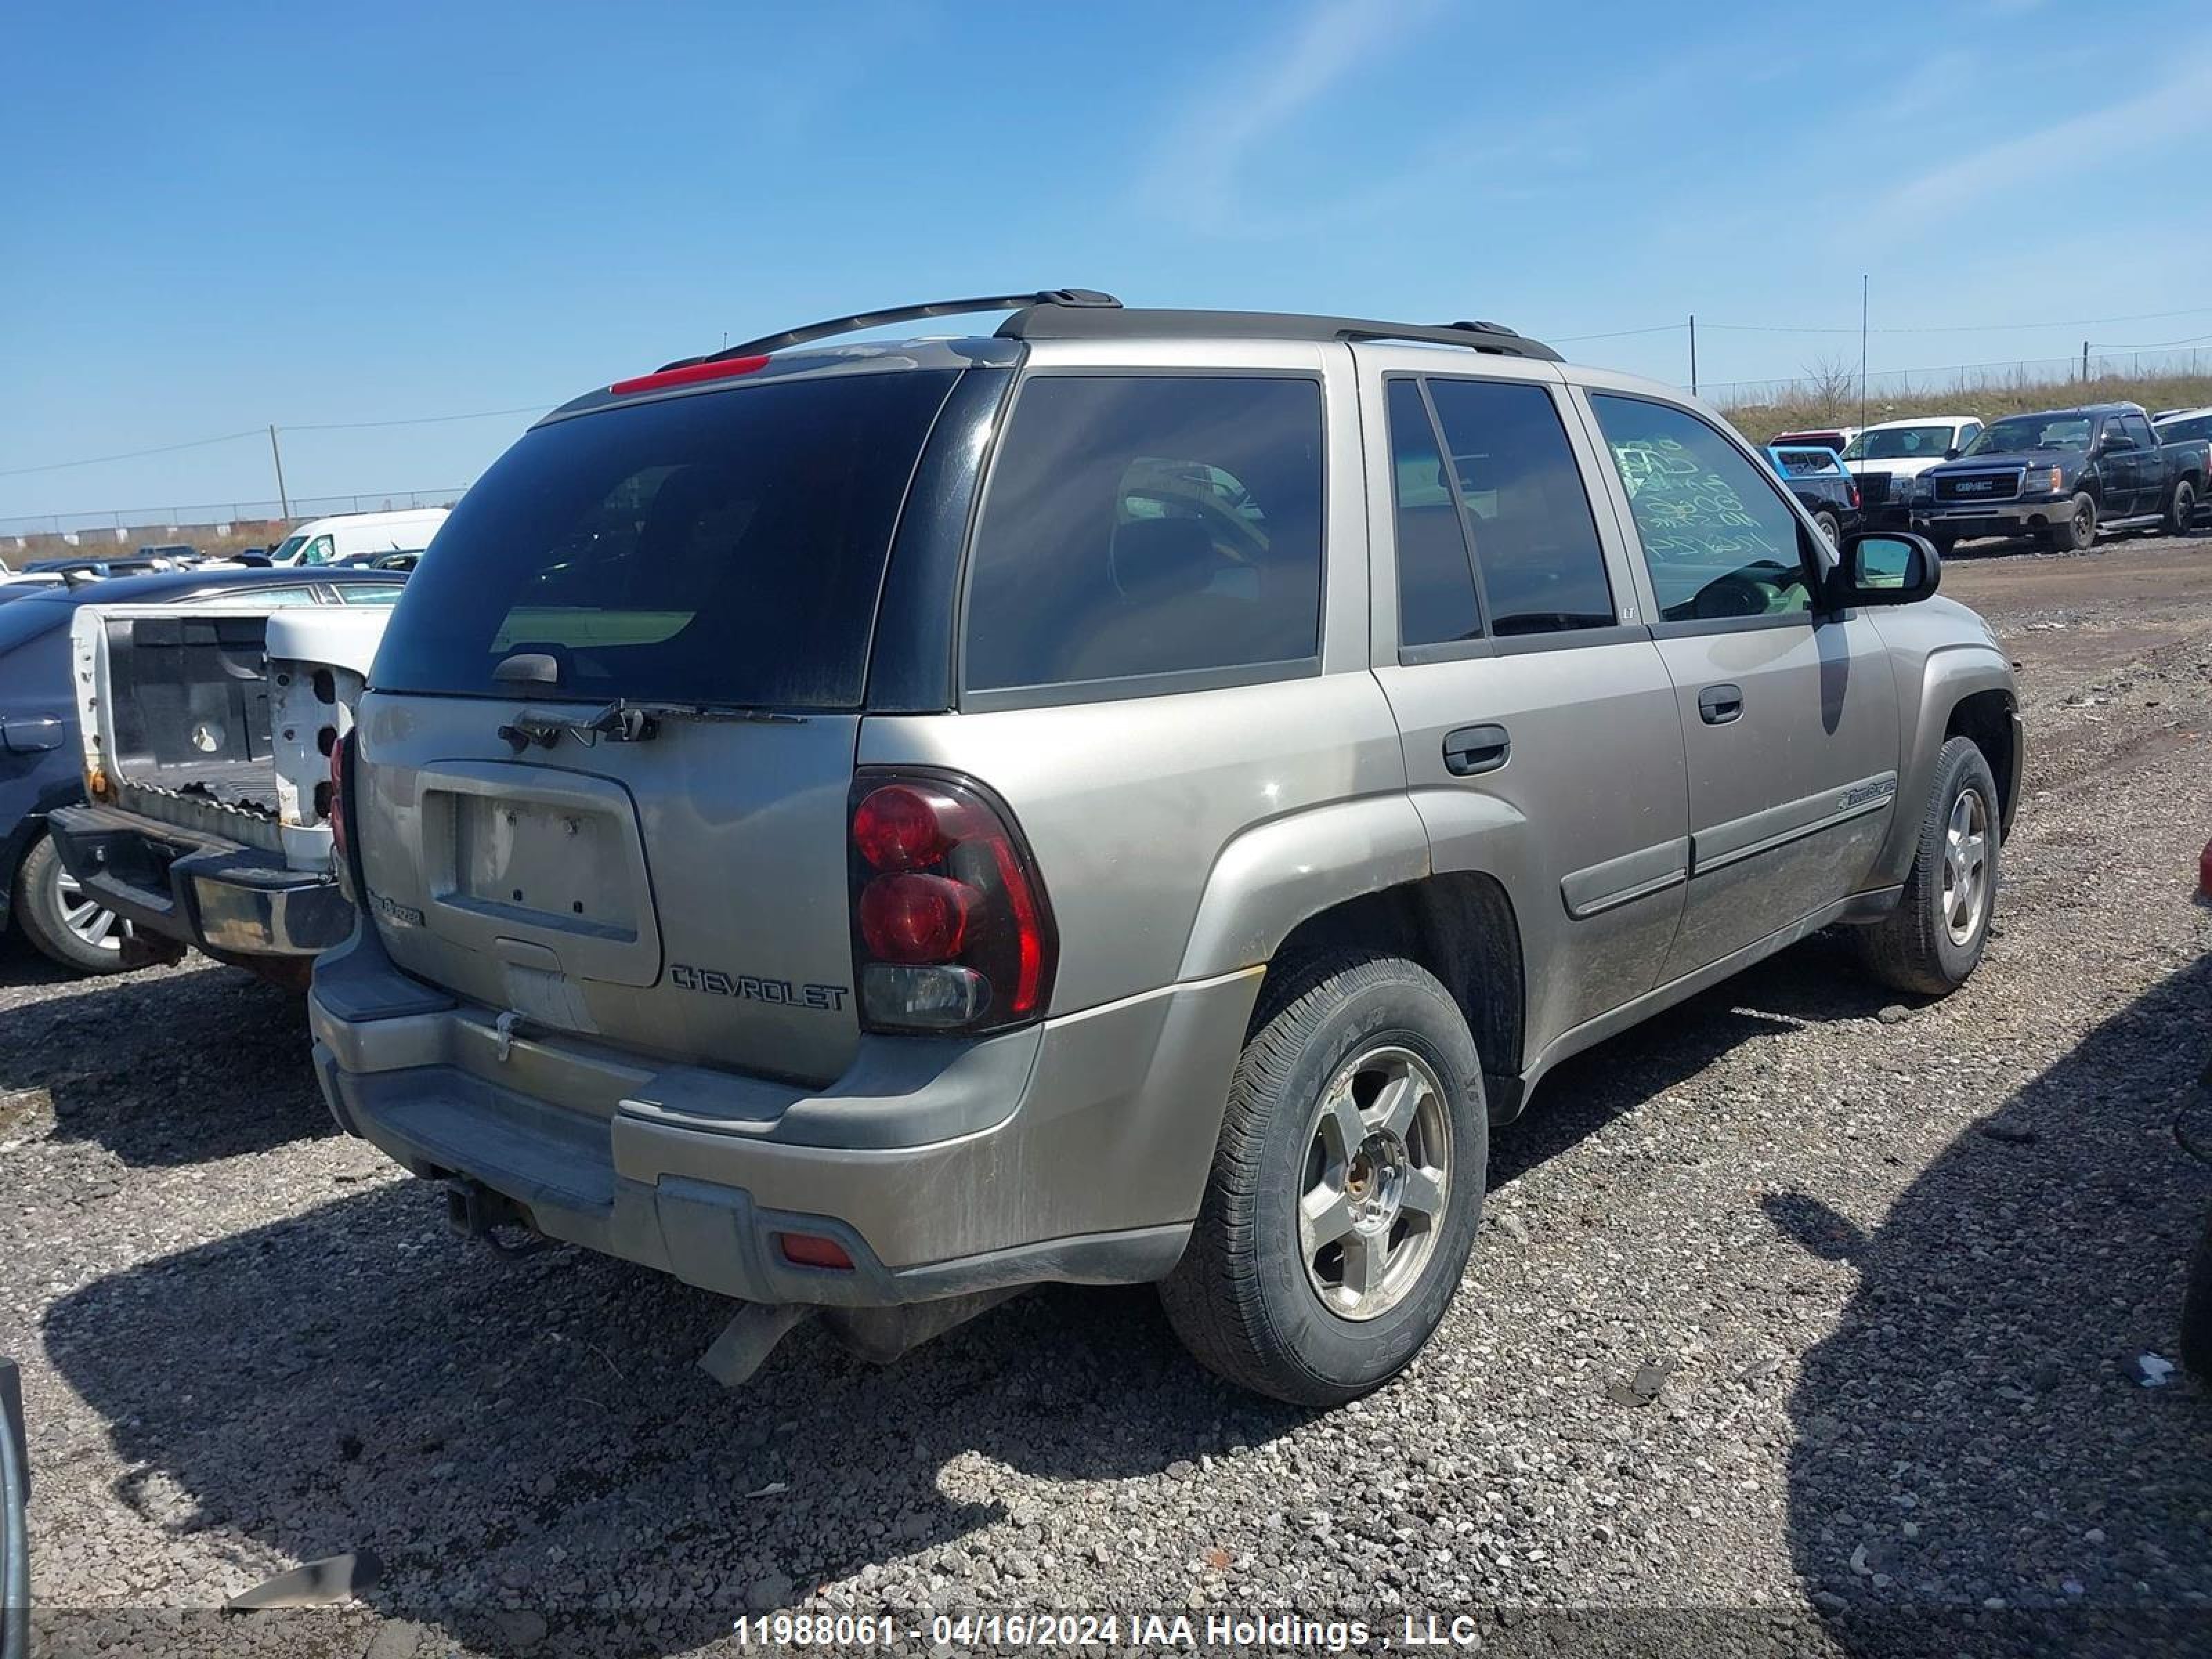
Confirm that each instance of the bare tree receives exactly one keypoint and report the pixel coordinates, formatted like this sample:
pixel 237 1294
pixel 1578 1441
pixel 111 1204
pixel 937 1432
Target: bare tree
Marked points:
pixel 1833 386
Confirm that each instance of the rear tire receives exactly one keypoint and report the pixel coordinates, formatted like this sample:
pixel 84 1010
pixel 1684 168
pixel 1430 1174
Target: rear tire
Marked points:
pixel 1931 943
pixel 2077 532
pixel 2181 508
pixel 56 919
pixel 1317 1270
pixel 1831 531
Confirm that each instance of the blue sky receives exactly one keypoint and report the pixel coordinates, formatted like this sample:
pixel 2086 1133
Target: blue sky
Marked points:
pixel 219 215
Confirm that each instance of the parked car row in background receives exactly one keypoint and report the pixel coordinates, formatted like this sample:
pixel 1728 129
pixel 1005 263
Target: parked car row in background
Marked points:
pixel 2063 476
pixel 388 541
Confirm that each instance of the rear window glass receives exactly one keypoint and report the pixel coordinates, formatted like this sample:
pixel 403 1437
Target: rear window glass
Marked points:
pixel 1806 463
pixel 725 548
pixel 1140 524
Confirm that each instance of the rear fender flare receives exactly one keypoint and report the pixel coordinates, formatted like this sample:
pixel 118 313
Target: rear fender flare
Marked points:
pixel 1275 875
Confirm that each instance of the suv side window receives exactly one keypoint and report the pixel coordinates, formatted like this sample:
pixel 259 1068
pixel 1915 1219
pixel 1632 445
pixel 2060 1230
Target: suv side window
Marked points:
pixel 1149 524
pixel 1718 538
pixel 1968 433
pixel 1536 550
pixel 1437 603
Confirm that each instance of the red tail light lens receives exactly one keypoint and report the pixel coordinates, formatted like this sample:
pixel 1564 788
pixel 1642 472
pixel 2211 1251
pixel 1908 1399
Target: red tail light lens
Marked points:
pixel 915 919
pixel 951 928
pixel 1855 498
pixel 896 828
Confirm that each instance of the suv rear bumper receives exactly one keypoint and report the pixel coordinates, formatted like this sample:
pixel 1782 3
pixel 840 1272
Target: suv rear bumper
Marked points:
pixel 198 889
pixel 1075 1150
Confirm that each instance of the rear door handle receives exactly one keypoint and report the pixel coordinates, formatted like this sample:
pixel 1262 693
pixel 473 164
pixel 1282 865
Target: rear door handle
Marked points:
pixel 1719 704
pixel 1476 749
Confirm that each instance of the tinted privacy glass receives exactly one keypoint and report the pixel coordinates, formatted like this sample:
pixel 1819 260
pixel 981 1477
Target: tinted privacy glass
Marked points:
pixel 1148 525
pixel 1435 584
pixel 1536 544
pixel 726 548
pixel 1717 538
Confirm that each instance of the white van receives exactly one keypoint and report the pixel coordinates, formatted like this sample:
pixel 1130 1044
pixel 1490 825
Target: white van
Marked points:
pixel 359 534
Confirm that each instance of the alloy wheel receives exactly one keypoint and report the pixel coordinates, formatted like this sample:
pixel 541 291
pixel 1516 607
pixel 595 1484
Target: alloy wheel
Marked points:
pixel 85 917
pixel 1965 866
pixel 1377 1177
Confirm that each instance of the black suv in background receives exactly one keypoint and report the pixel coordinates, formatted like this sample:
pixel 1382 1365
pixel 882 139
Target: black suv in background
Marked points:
pixel 2062 475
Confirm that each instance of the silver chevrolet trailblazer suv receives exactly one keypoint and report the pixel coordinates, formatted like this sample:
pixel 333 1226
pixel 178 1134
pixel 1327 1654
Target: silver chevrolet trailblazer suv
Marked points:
pixel 1134 796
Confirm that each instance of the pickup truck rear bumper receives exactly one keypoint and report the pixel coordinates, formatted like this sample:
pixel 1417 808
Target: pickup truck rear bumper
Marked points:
pixel 198 889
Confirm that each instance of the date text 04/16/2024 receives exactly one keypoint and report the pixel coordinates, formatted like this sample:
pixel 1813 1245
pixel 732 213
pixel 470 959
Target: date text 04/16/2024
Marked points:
pixel 1166 1632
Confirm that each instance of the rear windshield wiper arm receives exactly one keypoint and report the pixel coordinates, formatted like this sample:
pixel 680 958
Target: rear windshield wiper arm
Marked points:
pixel 624 721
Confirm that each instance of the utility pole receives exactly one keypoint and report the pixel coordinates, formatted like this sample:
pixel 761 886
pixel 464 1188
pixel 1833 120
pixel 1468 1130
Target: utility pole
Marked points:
pixel 2085 362
pixel 1862 348
pixel 1693 354
pixel 276 455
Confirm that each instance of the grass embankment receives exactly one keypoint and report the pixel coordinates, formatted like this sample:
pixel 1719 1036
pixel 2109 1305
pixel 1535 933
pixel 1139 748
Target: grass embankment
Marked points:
pixel 1988 398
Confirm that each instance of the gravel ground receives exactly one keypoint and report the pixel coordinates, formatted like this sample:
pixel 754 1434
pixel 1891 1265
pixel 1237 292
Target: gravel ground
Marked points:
pixel 1900 1261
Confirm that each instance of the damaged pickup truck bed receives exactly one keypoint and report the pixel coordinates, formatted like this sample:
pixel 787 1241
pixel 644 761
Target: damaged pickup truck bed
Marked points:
pixel 207 734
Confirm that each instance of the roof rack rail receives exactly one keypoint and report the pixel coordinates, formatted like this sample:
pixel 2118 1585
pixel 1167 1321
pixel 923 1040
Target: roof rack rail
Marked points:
pixel 1051 320
pixel 1073 299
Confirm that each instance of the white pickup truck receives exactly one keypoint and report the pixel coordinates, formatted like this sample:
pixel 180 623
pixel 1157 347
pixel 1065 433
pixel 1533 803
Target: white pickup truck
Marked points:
pixel 207 733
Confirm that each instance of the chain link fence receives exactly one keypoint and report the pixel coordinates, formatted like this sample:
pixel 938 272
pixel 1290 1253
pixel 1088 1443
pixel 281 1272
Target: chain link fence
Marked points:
pixel 216 516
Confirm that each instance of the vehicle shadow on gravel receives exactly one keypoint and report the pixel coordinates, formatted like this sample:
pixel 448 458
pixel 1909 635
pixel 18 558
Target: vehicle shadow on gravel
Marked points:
pixel 1817 981
pixel 1971 1433
pixel 167 1067
pixel 535 1433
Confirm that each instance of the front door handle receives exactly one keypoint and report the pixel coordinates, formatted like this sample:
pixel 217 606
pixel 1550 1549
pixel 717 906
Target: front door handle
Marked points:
pixel 1473 750
pixel 1719 704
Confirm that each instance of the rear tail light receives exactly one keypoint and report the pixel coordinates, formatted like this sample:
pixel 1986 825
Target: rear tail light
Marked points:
pixel 1855 498
pixel 341 858
pixel 951 929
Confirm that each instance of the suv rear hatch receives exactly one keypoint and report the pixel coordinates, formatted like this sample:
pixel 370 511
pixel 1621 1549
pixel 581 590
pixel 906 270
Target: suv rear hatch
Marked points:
pixel 601 777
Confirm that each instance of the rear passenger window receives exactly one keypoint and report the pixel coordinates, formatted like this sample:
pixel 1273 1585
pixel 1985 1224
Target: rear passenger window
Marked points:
pixel 1536 550
pixel 1718 538
pixel 1142 525
pixel 1435 584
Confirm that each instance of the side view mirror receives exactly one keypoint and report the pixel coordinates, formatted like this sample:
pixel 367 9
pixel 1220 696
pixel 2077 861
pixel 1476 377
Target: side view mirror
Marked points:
pixel 2115 441
pixel 1952 453
pixel 1884 567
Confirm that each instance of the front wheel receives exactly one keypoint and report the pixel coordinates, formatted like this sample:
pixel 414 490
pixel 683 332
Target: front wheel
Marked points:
pixel 1942 540
pixel 2181 508
pixel 1346 1188
pixel 2077 531
pixel 1933 941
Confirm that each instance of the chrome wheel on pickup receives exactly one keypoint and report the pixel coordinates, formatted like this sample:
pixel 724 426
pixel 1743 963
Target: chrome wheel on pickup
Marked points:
pixel 59 918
